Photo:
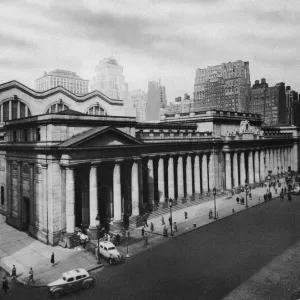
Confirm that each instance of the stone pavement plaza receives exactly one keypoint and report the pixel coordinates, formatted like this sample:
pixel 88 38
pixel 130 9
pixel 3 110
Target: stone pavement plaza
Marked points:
pixel 18 248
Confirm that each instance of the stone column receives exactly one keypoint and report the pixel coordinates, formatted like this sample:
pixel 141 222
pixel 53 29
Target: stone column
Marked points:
pixel 211 172
pixel 171 186
pixel 180 178
pixel 93 196
pixel 262 165
pixel 204 173
pixel 267 167
pixel 135 188
pixel 250 167
pixel 279 161
pixel 197 174
pixel 275 162
pixel 117 192
pixel 235 170
pixel 271 166
pixel 256 166
pixel 45 198
pixel 242 168
pixel 161 180
pixel 228 170
pixel 150 181
pixel 189 176
pixel 70 199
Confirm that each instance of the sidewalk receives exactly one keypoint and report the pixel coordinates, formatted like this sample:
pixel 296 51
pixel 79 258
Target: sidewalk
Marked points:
pixel 19 249
pixel 197 214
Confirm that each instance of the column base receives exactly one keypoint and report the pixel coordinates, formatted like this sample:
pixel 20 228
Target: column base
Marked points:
pixel 116 227
pixel 71 240
pixel 136 221
pixel 93 233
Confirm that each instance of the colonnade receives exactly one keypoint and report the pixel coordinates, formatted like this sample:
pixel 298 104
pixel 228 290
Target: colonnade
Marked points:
pixel 253 165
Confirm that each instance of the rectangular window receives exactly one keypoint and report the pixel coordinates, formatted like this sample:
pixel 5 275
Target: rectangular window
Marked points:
pixel 14 136
pixel 38 134
pixel 2 195
pixel 25 135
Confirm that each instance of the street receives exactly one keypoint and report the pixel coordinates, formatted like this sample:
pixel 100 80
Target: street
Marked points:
pixel 206 263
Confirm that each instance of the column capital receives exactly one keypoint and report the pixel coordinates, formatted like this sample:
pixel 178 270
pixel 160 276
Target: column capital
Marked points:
pixel 118 161
pixel 136 158
pixel 44 166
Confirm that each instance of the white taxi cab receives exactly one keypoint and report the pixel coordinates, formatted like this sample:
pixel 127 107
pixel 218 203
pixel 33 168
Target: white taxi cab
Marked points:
pixel 110 252
pixel 70 281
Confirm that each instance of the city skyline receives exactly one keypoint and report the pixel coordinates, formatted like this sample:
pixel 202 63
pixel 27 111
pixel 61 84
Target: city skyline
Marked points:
pixel 164 39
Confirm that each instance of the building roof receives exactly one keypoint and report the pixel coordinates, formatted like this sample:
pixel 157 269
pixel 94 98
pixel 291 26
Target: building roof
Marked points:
pixel 59 89
pixel 71 112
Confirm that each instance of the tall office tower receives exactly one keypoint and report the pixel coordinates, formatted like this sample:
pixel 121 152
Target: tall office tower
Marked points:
pixel 163 97
pixel 153 101
pixel 67 79
pixel 110 80
pixel 268 101
pixel 225 86
pixel 139 98
pixel 291 96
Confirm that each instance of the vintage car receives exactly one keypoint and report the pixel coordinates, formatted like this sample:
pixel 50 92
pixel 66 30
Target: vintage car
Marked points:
pixel 296 191
pixel 70 281
pixel 110 252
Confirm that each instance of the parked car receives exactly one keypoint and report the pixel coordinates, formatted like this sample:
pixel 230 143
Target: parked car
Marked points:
pixel 70 281
pixel 110 252
pixel 296 191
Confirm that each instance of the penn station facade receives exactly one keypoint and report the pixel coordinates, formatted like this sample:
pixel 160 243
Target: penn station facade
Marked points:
pixel 66 160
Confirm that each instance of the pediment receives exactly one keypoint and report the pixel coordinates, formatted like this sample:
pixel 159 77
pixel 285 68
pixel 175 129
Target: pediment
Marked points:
pixel 101 137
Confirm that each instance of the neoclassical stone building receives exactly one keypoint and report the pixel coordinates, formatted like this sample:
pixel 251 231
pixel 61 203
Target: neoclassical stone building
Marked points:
pixel 61 170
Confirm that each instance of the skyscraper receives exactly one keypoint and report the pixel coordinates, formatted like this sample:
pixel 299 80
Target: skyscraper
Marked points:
pixel 67 79
pixel 139 98
pixel 110 80
pixel 225 86
pixel 268 101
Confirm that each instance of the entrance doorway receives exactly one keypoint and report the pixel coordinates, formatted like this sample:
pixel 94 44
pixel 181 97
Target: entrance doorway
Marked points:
pixel 26 213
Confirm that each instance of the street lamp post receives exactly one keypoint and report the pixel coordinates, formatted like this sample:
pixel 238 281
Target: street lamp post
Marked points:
pixel 246 189
pixel 269 179
pixel 170 205
pixel 215 203
pixel 97 221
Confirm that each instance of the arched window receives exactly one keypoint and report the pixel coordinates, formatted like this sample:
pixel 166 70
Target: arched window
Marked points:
pixel 13 109
pixel 57 107
pixel 96 110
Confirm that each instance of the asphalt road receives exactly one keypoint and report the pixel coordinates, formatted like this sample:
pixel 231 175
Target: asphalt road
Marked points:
pixel 206 263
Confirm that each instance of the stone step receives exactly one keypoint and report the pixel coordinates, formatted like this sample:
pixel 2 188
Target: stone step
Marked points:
pixel 161 211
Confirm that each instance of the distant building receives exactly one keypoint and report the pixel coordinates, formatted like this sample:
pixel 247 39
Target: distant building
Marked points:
pixel 295 113
pixel 67 79
pixel 225 86
pixel 291 96
pixel 156 99
pixel 268 101
pixel 110 80
pixel 139 99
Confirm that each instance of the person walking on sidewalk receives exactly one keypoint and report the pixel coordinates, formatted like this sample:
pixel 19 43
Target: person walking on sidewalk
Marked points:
pixel 5 286
pixel 237 200
pixel 143 232
pixel 175 227
pixel 145 222
pixel 152 227
pixel 165 231
pixel 52 260
pixel 162 220
pixel 30 276
pixel 146 239
pixel 14 272
pixel 170 221
pixel 185 215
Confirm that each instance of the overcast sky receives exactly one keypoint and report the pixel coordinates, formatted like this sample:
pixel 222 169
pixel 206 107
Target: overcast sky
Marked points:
pixel 167 39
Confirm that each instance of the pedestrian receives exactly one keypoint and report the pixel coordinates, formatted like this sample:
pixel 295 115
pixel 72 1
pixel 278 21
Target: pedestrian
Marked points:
pixel 175 227
pixel 143 232
pixel 250 196
pixel 237 200
pixel 30 276
pixel 152 227
pixel 146 239
pixel 14 272
pixel 118 239
pixel 162 220
pixel 258 199
pixel 275 191
pixel 233 211
pixel 165 231
pixel 5 286
pixel 145 222
pixel 52 259
pixel 170 221
pixel 185 215
pixel 108 237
